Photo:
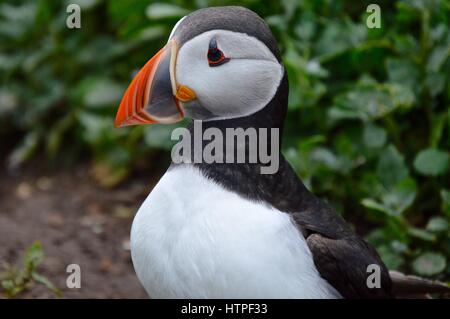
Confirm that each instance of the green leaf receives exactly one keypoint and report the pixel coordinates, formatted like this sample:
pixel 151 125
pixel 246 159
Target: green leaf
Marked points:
pixel 325 157
pixel 17 19
pixel 421 234
pixel 402 71
pixel 369 102
pixel 33 256
pixel 435 83
pixel 25 149
pixel 373 204
pixel 47 283
pixel 395 200
pixel 8 284
pixel 338 37
pixel 102 92
pixel 305 28
pixel 16 280
pixel 445 198
pixel 55 134
pixel 277 22
pixel 429 264
pixel 391 168
pixel 431 162
pixel 96 128
pixel 158 136
pixel 152 33
pixel 313 68
pixel 437 128
pixel 8 101
pixel 289 7
pixel 307 144
pixel 437 224
pixel 374 136
pixel 365 104
pixel 401 196
pixel 437 58
pixel 401 95
pixel 164 10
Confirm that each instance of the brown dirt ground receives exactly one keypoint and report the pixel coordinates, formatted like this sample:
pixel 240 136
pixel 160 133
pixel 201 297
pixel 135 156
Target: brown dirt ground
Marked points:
pixel 76 221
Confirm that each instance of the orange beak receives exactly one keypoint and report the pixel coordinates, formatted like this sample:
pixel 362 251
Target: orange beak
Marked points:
pixel 153 96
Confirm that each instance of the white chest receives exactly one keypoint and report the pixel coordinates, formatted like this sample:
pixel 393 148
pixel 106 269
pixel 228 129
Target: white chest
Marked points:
pixel 191 238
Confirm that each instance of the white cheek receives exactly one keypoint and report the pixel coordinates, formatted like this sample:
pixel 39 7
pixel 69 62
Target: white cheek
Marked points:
pixel 238 88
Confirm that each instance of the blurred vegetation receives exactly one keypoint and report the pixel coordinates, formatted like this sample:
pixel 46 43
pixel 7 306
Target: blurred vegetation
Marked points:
pixel 368 127
pixel 15 281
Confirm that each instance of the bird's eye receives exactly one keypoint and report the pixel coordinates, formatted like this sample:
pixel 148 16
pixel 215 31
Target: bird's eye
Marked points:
pixel 215 55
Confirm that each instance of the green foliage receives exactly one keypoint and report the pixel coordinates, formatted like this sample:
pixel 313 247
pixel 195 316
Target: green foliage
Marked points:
pixel 431 162
pixel 14 281
pixel 368 126
pixel 429 264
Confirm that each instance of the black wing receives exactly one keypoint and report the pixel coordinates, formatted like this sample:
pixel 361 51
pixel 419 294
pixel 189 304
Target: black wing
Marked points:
pixel 340 255
pixel 344 264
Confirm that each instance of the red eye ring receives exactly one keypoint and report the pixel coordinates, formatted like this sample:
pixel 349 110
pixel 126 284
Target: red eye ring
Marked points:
pixel 221 60
pixel 215 55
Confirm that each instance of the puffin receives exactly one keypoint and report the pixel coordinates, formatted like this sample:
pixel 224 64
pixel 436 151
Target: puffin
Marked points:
pixel 225 230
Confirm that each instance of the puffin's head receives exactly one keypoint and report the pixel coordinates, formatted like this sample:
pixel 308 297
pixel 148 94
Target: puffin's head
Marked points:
pixel 219 63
